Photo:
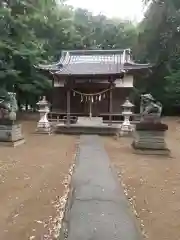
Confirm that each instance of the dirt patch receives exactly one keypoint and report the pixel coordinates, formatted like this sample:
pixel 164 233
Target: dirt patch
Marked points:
pixel 31 183
pixel 153 184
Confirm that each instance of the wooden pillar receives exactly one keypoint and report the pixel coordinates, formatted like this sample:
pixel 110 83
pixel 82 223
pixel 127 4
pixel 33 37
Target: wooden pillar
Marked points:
pixel 53 91
pixel 110 105
pixel 90 108
pixel 111 81
pixel 68 98
pixel 52 97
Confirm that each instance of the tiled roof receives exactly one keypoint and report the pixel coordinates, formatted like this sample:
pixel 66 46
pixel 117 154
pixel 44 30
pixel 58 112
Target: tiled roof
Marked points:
pixel 91 62
pixel 78 64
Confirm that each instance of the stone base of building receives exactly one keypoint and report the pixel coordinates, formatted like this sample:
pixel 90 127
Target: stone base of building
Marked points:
pixel 11 135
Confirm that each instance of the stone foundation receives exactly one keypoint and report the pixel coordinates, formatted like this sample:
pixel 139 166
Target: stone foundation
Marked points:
pixel 150 142
pixel 11 135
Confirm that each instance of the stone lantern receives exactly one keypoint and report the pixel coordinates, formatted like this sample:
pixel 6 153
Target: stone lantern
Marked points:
pixel 126 126
pixel 43 125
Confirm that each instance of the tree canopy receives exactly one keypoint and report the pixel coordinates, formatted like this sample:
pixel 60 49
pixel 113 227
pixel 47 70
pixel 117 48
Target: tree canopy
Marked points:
pixel 159 42
pixel 33 32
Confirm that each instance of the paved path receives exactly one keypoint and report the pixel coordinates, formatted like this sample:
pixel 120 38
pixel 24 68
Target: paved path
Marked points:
pixel 99 208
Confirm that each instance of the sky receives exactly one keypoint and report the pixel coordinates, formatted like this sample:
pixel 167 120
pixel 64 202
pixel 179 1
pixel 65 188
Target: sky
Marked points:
pixel 124 9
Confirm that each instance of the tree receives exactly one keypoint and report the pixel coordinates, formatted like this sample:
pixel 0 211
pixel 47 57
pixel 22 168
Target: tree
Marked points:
pixel 33 32
pixel 103 33
pixel 159 42
pixel 20 48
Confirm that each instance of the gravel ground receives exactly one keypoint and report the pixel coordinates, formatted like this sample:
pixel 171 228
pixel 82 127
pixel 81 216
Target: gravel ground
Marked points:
pixel 152 184
pixel 33 181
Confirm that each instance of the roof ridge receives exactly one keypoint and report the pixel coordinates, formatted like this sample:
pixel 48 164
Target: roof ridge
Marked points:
pixel 92 52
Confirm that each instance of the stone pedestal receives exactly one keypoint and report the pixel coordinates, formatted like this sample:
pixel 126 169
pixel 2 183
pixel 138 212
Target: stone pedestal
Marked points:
pixel 150 139
pixel 126 128
pixel 43 125
pixel 11 135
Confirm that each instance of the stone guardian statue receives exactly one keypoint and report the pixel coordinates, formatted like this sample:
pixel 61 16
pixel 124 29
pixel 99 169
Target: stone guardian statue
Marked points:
pixel 8 106
pixel 10 129
pixel 150 109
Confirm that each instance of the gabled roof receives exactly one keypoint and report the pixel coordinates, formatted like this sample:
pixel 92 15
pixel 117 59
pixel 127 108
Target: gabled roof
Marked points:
pixel 93 62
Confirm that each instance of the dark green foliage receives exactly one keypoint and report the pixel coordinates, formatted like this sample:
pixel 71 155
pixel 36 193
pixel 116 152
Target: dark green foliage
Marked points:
pixel 159 42
pixel 34 31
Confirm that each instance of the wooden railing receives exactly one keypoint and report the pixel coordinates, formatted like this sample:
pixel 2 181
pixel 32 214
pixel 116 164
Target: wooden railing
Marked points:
pixel 56 116
pixel 61 117
pixel 118 118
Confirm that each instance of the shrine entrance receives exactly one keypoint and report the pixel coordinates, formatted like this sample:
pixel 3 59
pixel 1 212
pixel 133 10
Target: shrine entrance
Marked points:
pixel 91 101
pixel 91 109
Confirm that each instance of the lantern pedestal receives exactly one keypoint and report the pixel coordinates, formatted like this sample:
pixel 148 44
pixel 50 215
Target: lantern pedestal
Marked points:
pixel 126 127
pixel 43 125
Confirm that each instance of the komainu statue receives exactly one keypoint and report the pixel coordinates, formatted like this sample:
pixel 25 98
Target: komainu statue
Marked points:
pixel 150 108
pixel 10 129
pixel 149 137
pixel 8 105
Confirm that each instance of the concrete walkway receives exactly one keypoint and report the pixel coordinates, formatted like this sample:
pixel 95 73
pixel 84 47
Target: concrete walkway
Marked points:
pixel 99 208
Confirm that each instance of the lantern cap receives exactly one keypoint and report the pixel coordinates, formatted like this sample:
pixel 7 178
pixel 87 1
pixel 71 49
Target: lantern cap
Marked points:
pixel 43 101
pixel 127 104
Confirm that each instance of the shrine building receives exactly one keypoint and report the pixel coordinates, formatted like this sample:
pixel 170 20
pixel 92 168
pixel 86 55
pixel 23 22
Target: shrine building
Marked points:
pixel 92 83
